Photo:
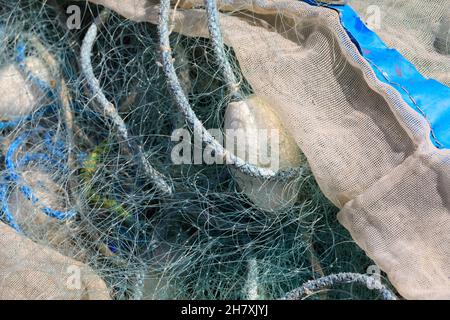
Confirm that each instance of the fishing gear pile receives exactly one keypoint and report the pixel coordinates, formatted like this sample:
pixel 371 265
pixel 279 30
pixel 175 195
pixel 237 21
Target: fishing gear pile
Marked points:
pixel 117 182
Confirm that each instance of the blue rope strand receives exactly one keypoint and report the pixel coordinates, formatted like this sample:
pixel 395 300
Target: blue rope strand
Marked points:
pixel 9 218
pixel 27 191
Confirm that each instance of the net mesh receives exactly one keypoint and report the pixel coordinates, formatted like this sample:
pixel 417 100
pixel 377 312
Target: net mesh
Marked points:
pixel 71 185
pixel 420 30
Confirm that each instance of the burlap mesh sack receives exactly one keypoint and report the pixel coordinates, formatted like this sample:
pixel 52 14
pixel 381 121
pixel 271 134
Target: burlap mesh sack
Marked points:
pixel 368 150
pixel 32 271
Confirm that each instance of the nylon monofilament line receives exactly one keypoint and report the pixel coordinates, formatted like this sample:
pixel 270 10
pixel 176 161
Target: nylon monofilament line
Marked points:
pixel 185 108
pixel 110 111
pixel 222 233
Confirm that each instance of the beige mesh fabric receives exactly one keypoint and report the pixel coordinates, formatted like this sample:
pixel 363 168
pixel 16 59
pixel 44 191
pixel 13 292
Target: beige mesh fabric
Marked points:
pixel 402 221
pixel 17 96
pixel 32 271
pixel 418 29
pixel 367 148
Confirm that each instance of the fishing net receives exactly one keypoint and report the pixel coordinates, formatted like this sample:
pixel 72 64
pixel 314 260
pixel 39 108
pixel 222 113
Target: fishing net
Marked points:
pixel 89 181
pixel 420 30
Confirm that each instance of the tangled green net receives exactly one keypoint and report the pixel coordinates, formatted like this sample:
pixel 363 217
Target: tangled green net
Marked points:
pixel 205 240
